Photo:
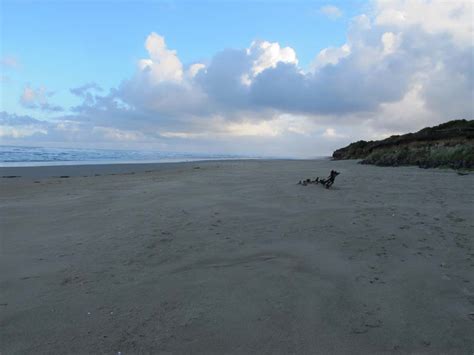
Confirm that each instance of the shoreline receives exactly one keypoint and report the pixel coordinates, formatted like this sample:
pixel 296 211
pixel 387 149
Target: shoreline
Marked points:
pixel 26 164
pixel 77 170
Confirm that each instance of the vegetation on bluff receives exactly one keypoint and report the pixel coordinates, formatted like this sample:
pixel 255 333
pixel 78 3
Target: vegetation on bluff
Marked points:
pixel 450 144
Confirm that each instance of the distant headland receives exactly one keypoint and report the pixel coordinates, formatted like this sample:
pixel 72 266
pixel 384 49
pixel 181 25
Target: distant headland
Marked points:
pixel 449 145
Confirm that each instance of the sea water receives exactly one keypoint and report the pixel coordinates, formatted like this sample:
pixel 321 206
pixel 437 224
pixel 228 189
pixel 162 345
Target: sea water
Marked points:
pixel 40 156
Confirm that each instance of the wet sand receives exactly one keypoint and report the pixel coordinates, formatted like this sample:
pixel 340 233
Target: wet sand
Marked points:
pixel 235 257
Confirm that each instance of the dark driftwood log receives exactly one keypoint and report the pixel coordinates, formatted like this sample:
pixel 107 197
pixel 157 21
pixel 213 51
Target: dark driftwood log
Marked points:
pixel 327 183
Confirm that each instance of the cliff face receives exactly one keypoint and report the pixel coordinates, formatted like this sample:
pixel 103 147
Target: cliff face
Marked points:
pixel 450 144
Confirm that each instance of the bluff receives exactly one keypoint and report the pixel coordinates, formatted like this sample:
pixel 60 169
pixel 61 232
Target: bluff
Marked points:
pixel 450 144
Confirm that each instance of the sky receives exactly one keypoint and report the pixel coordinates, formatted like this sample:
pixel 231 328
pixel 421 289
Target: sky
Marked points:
pixel 275 78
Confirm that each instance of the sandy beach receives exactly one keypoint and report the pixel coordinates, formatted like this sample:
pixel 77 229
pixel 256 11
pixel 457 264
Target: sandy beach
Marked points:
pixel 233 257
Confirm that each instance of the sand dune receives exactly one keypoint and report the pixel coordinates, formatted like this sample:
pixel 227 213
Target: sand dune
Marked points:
pixel 235 257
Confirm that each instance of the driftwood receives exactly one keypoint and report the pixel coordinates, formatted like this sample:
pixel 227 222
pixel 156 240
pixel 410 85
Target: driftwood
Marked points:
pixel 327 183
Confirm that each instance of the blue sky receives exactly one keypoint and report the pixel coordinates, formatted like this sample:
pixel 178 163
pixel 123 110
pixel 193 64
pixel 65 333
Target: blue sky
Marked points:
pixel 101 41
pixel 303 75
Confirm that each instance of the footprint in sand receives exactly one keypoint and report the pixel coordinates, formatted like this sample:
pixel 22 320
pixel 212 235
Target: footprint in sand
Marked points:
pixel 366 321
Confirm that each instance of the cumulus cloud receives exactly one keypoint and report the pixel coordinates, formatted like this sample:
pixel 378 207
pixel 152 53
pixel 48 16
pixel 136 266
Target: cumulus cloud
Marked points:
pixel 163 65
pixel 331 55
pixel 453 18
pixel 264 55
pixel 38 99
pixel 331 11
pixel 378 64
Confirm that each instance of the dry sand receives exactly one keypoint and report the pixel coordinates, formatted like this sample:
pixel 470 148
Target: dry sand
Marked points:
pixel 235 257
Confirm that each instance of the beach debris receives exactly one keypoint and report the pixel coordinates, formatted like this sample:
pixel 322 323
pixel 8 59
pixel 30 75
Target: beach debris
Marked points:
pixel 327 183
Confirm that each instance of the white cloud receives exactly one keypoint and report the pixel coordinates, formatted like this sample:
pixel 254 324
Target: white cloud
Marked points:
pixel 331 11
pixel 185 135
pixel 163 64
pixel 331 55
pixel 118 134
pixel 331 133
pixel 261 129
pixel 433 16
pixel 38 99
pixel 391 42
pixel 409 113
pixel 247 125
pixel 194 69
pixel 264 55
pixel 267 55
pixel 13 126
pixel 20 132
pixel 221 128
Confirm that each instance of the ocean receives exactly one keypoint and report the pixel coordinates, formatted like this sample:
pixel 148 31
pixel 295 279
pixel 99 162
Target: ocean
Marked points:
pixel 40 156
